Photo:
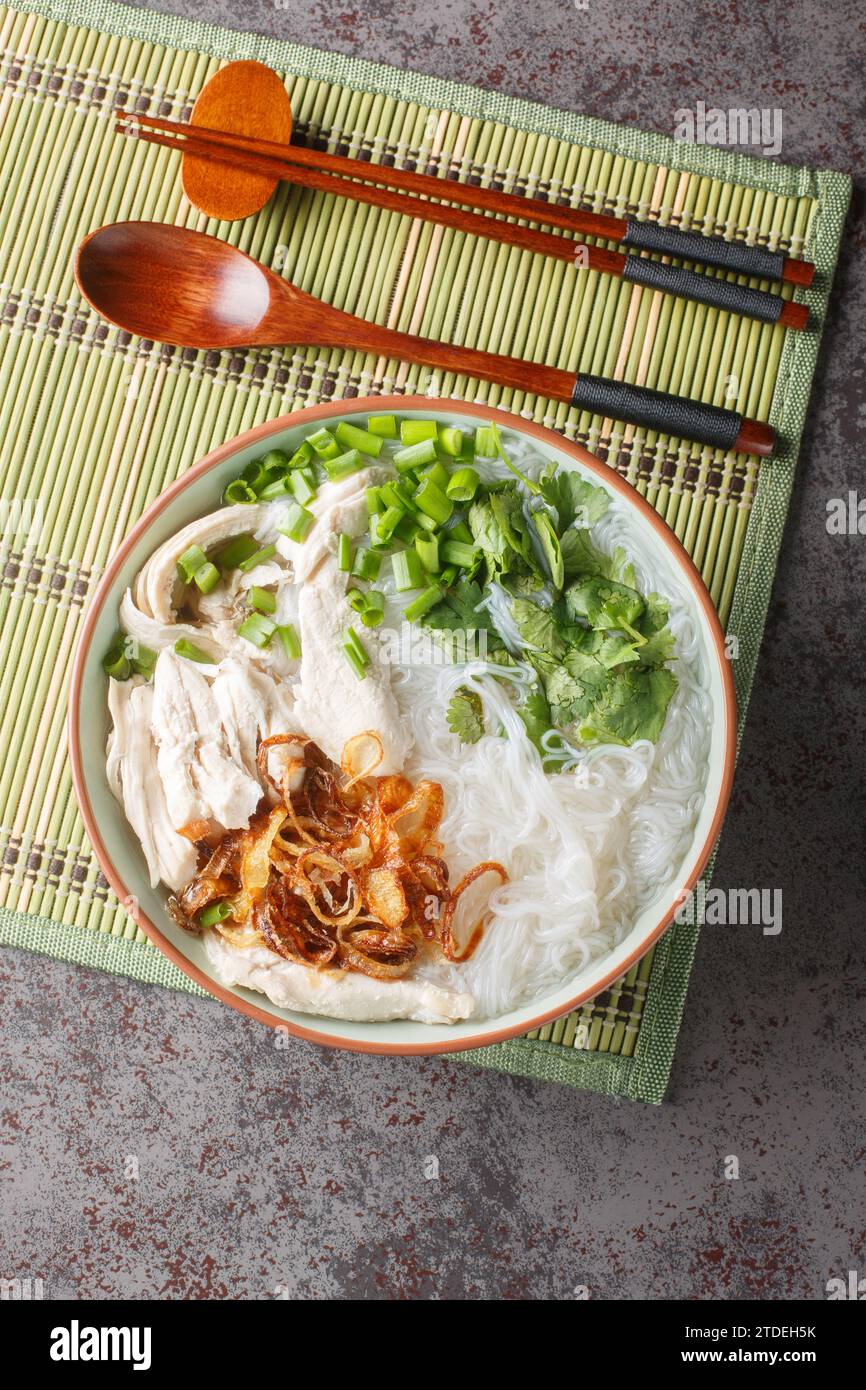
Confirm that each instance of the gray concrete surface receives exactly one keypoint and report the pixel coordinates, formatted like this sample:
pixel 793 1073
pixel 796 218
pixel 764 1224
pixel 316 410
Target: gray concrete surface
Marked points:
pixel 261 1169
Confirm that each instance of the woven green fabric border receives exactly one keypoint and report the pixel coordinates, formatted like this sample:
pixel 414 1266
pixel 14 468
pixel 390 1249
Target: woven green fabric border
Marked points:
pixel 644 1075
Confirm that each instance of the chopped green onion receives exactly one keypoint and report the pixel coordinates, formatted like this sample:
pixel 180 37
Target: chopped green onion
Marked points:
pixel 276 460
pixel 448 576
pixel 383 425
pixel 258 629
pixel 190 561
pixel 463 485
pixel 263 600
pixel 415 455
pixel 354 641
pixel 460 532
pixel 116 663
pixel 431 500
pixel 206 577
pixel 255 474
pixel 344 465
pixel 376 541
pixel 345 552
pixel 143 661
pixel 407 529
pixel 367 564
pixel 438 472
pixel 459 553
pixel 258 557
pixel 486 443
pixel 418 431
pixel 297 523
pixel 354 661
pixel 429 523
pixel 324 444
pixel 393 495
pixel 423 603
pixel 232 555
pixel 302 455
pixel 213 913
pixel 450 441
pixel 303 485
pixel 387 523
pixel 407 570
pixel 239 492
pixel 369 606
pixel 354 438
pixel 373 610
pixel 374 501
pixel 427 548
pixel 290 640
pixel 191 652
pixel 280 487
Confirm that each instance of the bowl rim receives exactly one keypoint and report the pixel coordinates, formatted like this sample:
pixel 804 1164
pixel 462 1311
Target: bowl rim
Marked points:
pixel 396 404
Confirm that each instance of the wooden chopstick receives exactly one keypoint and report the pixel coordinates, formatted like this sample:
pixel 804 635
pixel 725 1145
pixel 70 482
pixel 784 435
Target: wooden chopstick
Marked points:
pixel 687 284
pixel 671 240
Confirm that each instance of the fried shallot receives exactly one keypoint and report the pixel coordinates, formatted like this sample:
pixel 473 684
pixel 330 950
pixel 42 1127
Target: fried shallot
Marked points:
pixel 343 872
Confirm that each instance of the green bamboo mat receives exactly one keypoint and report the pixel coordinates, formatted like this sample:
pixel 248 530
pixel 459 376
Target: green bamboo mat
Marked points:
pixel 95 424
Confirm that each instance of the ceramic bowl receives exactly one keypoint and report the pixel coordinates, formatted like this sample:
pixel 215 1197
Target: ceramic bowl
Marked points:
pixel 117 849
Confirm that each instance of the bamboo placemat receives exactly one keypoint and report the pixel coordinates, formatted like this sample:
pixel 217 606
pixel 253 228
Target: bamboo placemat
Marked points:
pixel 95 424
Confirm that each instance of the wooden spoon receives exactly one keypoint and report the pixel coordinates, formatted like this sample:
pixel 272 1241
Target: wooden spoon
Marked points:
pixel 179 286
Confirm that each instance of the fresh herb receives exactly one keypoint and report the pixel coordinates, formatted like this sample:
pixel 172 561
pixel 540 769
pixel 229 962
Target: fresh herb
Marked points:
pixel 465 715
pixel 459 610
pixel 633 706
pixel 605 605
pixel 573 497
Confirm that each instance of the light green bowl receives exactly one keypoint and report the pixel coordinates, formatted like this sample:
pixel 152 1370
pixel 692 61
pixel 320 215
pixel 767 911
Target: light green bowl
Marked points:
pixel 117 848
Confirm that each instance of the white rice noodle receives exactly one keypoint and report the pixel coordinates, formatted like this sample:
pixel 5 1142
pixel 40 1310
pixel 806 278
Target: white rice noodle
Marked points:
pixel 586 849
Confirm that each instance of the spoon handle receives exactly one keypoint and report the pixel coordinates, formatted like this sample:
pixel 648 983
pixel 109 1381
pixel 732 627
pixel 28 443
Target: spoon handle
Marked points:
pixel 615 400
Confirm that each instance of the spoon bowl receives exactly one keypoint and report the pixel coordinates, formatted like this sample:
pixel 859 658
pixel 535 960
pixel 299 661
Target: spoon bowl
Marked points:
pixel 174 285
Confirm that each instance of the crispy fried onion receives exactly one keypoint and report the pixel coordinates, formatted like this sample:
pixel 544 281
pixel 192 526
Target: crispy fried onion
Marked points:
pixel 344 872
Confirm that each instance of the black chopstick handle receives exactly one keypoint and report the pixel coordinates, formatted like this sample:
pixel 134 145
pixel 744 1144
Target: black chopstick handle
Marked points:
pixel 708 250
pixel 675 415
pixel 706 289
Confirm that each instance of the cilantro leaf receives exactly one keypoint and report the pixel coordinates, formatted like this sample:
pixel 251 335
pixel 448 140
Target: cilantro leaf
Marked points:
pixel 657 649
pixel 581 557
pixel 573 497
pixel 465 715
pixel 633 706
pixel 550 548
pixel 605 604
pixel 507 508
pixel 539 628
pixel 522 583
pixel 459 610
pixel 489 536
pixel 569 697
pixel 618 651
pixel 535 713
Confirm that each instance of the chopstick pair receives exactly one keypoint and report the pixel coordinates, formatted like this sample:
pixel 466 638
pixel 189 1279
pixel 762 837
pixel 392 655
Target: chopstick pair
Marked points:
pixel 409 193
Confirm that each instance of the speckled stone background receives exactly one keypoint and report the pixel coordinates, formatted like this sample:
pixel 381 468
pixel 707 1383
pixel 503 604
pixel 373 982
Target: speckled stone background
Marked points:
pixel 262 1170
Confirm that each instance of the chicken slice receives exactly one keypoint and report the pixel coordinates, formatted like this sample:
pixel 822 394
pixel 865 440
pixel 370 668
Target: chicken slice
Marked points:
pixel 333 993
pixel 158 585
pixel 338 507
pixel 331 704
pixel 202 781
pixel 156 635
pixel 133 778
pixel 252 706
